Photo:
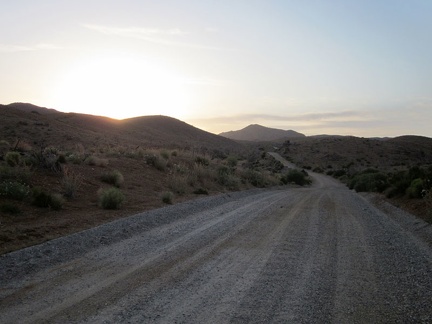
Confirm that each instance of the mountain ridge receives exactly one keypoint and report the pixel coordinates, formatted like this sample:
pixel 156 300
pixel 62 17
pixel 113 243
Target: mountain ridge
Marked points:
pixel 258 133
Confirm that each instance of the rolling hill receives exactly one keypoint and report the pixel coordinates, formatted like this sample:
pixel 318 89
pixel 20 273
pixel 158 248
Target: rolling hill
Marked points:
pixel 258 133
pixel 39 126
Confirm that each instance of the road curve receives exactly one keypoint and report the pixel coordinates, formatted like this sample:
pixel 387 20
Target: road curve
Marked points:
pixel 321 254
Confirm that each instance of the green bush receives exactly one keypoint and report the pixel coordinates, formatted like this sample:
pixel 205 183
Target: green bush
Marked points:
pixel 167 197
pixel 111 198
pixel 415 189
pixel 113 177
pixel 369 181
pixel 295 176
pixel 14 190
pixel 12 158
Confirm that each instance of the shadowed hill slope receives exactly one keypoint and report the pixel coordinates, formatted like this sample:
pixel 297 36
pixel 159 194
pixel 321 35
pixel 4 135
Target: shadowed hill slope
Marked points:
pixel 260 133
pixel 42 127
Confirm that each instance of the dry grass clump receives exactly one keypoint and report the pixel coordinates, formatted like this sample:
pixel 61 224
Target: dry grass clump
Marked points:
pixel 113 177
pixel 71 182
pixel 97 161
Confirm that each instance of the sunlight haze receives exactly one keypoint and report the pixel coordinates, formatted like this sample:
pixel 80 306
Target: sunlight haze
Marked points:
pixel 358 68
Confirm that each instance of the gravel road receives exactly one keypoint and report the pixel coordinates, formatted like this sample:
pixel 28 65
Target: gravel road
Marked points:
pixel 321 254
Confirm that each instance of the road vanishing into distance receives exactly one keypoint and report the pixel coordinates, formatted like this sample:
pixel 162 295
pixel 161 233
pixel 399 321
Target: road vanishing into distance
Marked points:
pixel 319 254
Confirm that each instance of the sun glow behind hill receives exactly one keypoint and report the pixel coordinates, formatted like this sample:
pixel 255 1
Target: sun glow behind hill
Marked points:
pixel 120 87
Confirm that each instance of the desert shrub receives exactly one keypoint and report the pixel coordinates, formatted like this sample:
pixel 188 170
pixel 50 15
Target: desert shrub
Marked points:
pixel 369 181
pixel 295 176
pixel 21 174
pixel 164 154
pixel 9 208
pixel 223 173
pixel 200 160
pixel 56 202
pixel 203 174
pixel 40 197
pixel 415 189
pixel 62 159
pixel 174 153
pixel 44 199
pixel 167 197
pixel 399 184
pixel 74 158
pixel 232 161
pixel 71 182
pixel 201 191
pixel 113 177
pixel 47 159
pixel 226 178
pixel 339 173
pixel 97 161
pixel 157 162
pixel 255 178
pixel 111 198
pixel 12 158
pixel 14 190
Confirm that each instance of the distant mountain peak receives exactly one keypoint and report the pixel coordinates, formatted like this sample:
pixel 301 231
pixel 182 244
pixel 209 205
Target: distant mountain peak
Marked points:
pixel 259 133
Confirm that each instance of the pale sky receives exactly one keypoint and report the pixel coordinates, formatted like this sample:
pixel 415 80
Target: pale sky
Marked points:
pixel 347 67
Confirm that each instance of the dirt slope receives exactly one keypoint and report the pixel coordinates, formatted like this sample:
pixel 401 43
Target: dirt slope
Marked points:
pixel 318 254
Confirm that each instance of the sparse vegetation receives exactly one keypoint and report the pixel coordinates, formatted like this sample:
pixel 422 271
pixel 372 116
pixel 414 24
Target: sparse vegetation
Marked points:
pixel 111 198
pixel 43 199
pixel 113 177
pixel 167 197
pixel 14 190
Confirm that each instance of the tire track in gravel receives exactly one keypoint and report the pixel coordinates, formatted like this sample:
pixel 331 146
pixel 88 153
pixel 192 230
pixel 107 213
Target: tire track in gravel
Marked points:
pixel 78 293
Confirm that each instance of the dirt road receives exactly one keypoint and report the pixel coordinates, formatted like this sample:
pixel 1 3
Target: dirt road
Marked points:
pixel 321 254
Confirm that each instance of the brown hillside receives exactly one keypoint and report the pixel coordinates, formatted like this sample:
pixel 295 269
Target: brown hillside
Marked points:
pixel 32 125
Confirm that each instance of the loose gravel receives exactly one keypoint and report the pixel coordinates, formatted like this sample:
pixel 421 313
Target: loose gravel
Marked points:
pixel 302 255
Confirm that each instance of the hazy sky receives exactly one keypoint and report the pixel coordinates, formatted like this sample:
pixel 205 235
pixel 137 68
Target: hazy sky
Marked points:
pixel 350 67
